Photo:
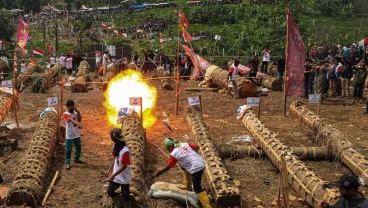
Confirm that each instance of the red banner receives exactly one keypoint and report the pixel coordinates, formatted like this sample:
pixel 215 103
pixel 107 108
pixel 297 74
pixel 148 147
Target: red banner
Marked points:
pixel 22 34
pixel 295 59
pixel 186 36
pixel 182 16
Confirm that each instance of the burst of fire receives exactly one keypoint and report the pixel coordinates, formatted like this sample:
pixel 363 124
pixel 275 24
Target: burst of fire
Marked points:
pixel 121 88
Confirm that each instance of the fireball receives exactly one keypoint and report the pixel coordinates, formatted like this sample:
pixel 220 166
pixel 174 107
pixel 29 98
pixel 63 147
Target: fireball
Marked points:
pixel 125 85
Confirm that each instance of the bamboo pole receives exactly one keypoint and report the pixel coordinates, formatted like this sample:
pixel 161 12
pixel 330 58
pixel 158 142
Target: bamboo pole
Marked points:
pixel 301 178
pixel 50 189
pixel 285 72
pixel 177 75
pixel 334 139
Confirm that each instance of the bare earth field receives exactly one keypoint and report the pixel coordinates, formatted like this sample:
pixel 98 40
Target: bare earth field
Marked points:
pixel 83 185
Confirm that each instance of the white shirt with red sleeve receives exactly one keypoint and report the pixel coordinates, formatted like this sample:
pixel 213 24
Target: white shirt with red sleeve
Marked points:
pixel 234 72
pixel 122 159
pixel 187 157
pixel 71 130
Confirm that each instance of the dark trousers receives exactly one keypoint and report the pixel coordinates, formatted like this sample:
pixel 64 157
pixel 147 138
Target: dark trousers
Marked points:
pixel 308 87
pixel 338 87
pixel 264 66
pixel 197 180
pixel 358 90
pixel 326 86
pixel 113 186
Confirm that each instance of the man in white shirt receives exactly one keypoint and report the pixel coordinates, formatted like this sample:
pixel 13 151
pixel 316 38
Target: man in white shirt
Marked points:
pixel 266 59
pixel 52 60
pixel 98 59
pixel 62 63
pixel 105 61
pixel 23 66
pixel 69 64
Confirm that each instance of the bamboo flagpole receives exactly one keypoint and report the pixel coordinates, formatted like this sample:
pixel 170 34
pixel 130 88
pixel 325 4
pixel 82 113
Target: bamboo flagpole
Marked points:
pixel 286 60
pixel 177 74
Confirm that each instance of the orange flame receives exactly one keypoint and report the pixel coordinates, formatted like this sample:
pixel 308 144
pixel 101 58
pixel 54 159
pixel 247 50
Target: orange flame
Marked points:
pixel 125 85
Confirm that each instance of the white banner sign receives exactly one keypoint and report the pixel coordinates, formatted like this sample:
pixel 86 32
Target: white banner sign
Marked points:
pixel 314 98
pixel 135 101
pixel 52 101
pixel 253 101
pixel 194 100
pixel 7 83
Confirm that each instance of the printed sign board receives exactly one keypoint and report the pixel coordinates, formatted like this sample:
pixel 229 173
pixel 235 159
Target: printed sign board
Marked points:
pixel 253 101
pixel 52 101
pixel 7 83
pixel 314 98
pixel 135 101
pixel 194 100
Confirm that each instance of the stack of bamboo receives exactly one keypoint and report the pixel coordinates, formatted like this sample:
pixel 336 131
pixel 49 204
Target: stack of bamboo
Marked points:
pixel 28 184
pixel 338 145
pixel 224 188
pixel 81 78
pixel 134 136
pixel 302 179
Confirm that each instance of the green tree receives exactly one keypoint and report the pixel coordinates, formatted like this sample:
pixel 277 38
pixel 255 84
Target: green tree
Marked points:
pixel 7 25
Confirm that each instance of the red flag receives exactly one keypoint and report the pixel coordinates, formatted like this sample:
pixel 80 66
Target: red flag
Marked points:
pixel 33 61
pixel 186 36
pixel 38 51
pixel 190 53
pixel 50 49
pixel 22 34
pixel 295 59
pixel 182 16
pixel 71 52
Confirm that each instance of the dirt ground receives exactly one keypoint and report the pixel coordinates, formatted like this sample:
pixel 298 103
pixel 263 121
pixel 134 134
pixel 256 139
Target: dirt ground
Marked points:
pixel 84 186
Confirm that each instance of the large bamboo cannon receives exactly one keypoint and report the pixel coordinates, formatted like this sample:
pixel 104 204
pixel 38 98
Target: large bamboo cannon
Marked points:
pixel 81 78
pixel 6 102
pixel 24 77
pixel 271 83
pixel 134 136
pixel 218 77
pixel 301 178
pixel 304 153
pixel 338 145
pixel 28 185
pixel 43 82
pixel 224 188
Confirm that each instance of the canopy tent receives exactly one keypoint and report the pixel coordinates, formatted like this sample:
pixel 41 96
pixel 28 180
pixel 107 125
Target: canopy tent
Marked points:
pixel 363 42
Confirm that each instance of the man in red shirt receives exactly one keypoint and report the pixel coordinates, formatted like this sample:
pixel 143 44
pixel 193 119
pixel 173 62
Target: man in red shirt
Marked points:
pixel 121 170
pixel 188 159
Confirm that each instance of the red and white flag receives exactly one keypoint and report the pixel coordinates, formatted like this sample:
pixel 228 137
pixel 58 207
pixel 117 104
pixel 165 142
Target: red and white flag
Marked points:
pixel 161 40
pixel 50 49
pixel 295 59
pixel 186 36
pixel 38 51
pixel 182 16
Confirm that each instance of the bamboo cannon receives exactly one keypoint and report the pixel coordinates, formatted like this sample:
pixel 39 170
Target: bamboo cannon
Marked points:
pixel 301 178
pixel 81 78
pixel 224 188
pixel 27 187
pixel 6 102
pixel 42 83
pixel 24 77
pixel 338 145
pixel 134 136
pixel 201 89
pixel 271 83
pixel 13 143
pixel 303 153
pixel 217 77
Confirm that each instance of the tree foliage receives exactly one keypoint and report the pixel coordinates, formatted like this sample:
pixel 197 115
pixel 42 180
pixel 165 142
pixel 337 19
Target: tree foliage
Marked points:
pixel 7 26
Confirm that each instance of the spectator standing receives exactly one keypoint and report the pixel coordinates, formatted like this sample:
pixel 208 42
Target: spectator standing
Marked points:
pixel 98 56
pixel 281 67
pixel 105 61
pixel 334 76
pixel 253 63
pixel 233 71
pixel 346 76
pixel 266 59
pixel 23 66
pixel 359 81
pixel 62 63
pixel 69 64
pixel 72 118
pixel 308 78
pixel 52 60
pixel 322 77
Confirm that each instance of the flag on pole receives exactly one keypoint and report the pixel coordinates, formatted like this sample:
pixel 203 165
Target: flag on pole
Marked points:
pixel 182 16
pixel 186 36
pixel 50 49
pixel 38 51
pixel 295 59
pixel 33 61
pixel 22 34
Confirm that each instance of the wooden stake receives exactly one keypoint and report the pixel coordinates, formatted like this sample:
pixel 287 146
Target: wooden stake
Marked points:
pixel 61 94
pixel 285 193
pixel 50 189
pixel 16 83
pixel 200 103
pixel 259 108
pixel 286 55
pixel 319 103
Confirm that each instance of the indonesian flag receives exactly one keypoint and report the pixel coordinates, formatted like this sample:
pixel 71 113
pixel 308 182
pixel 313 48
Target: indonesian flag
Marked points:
pixel 295 59
pixel 33 61
pixel 50 49
pixel 182 16
pixel 22 34
pixel 186 36
pixel 161 40
pixel 38 51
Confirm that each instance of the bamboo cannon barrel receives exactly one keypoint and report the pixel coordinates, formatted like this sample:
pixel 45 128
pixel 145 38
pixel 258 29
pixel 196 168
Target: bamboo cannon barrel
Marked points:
pixel 134 136
pixel 13 143
pixel 42 83
pixel 27 187
pixel 303 153
pixel 301 178
pixel 271 83
pixel 81 78
pixel 6 102
pixel 24 77
pixel 224 188
pixel 338 146
pixel 216 76
pixel 201 89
